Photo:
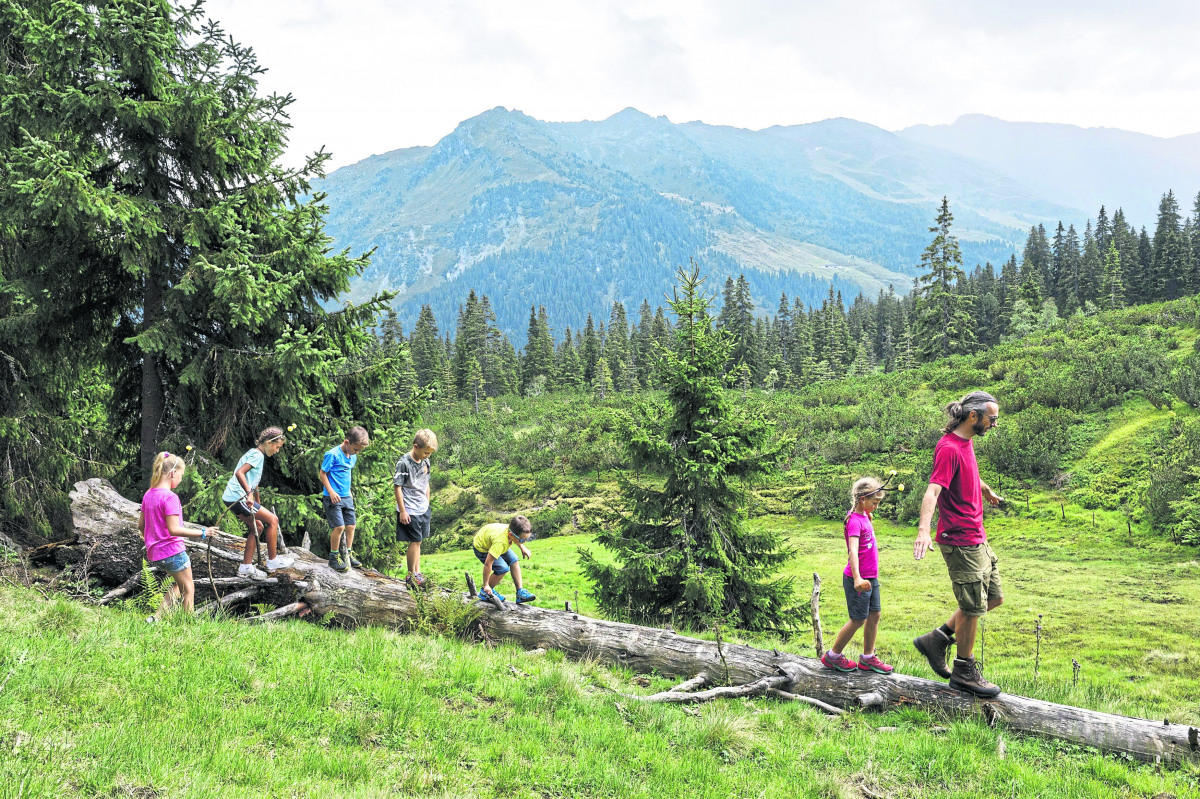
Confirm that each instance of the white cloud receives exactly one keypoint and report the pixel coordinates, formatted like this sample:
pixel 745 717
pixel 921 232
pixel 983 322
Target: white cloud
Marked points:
pixel 375 75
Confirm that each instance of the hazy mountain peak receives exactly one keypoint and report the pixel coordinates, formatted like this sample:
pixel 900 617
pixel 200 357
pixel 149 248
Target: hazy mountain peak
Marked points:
pixel 576 215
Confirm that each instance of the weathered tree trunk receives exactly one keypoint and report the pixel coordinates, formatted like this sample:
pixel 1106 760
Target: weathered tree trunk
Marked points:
pixel 106 524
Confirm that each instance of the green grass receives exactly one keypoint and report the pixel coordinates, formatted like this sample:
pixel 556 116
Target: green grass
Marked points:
pixel 1125 610
pixel 98 703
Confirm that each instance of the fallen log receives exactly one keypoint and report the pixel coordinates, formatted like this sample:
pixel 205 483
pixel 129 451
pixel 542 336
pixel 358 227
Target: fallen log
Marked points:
pixel 107 522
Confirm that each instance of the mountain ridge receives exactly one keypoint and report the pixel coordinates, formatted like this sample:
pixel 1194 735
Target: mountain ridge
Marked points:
pixel 576 215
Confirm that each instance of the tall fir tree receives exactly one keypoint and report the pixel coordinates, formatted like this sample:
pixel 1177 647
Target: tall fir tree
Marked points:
pixel 682 549
pixel 152 236
pixel 1112 288
pixel 943 324
pixel 1170 251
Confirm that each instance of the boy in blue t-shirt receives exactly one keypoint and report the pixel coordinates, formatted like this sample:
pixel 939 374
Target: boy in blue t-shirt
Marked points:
pixel 336 499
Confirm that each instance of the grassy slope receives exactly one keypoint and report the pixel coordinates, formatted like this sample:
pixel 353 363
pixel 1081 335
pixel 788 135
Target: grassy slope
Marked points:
pixel 98 703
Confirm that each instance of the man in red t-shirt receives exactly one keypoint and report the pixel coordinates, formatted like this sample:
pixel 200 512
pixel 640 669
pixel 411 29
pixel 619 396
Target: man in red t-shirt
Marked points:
pixel 958 493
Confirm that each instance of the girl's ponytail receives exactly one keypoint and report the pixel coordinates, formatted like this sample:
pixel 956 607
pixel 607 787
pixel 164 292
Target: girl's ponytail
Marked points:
pixel 164 464
pixel 861 487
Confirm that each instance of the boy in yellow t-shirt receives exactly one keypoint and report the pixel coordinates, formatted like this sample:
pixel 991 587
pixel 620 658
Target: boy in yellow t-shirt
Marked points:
pixel 492 545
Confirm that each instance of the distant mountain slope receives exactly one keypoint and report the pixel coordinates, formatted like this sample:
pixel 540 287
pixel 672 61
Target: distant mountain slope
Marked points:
pixel 577 215
pixel 1080 167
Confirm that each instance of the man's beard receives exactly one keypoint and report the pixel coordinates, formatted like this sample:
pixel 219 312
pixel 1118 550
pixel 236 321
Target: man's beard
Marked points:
pixel 980 428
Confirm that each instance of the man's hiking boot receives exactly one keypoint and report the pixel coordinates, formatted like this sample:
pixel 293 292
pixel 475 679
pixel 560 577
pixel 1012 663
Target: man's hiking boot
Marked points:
pixel 336 563
pixel 524 596
pixel 967 677
pixel 934 645
pixel 348 556
pixel 873 663
pixel 832 660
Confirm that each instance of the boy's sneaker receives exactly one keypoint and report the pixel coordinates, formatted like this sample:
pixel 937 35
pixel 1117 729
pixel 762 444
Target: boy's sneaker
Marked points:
pixel 336 563
pixel 831 660
pixel 251 572
pixel 151 620
pixel 934 645
pixel 485 598
pixel 416 580
pixel 279 562
pixel 348 556
pixel 873 663
pixel 524 596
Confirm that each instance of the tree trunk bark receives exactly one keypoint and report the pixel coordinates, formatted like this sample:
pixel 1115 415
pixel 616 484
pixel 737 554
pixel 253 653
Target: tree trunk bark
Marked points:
pixel 152 387
pixel 107 523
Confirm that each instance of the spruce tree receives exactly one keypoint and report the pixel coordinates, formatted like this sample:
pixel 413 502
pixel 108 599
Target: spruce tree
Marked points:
pixel 428 353
pixel 1170 270
pixel 602 384
pixel 943 323
pixel 1112 289
pixel 152 237
pixel 682 549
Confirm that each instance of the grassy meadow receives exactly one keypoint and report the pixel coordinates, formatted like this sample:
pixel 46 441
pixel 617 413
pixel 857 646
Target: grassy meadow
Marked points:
pixel 1092 451
pixel 97 703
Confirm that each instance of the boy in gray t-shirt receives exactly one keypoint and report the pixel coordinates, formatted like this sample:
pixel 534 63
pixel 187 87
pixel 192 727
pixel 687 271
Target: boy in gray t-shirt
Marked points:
pixel 412 501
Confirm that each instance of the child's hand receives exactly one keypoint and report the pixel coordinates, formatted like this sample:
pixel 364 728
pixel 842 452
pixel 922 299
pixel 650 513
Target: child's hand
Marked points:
pixel 334 497
pixel 862 585
pixel 525 553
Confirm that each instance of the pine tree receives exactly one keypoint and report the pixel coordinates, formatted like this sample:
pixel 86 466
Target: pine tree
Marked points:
pixel 1037 261
pixel 589 350
pixel 1170 252
pixel 684 552
pixel 1091 268
pixel 1024 321
pixel 1194 284
pixel 1112 289
pixel 568 370
pixel 602 380
pixel 428 354
pixel 616 346
pixel 149 228
pixel 943 324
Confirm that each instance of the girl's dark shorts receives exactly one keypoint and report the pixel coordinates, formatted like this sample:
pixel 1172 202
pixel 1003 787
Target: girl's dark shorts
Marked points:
pixel 244 508
pixel 861 605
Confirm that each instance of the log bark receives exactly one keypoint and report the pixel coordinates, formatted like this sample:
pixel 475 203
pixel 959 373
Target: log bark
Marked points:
pixel 107 523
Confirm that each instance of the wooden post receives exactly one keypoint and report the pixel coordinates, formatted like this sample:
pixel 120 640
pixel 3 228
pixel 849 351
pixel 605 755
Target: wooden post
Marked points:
pixel 1064 510
pixel 818 639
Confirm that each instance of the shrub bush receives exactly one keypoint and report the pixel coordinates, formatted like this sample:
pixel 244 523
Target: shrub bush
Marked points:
pixel 1032 442
pixel 549 522
pixel 497 485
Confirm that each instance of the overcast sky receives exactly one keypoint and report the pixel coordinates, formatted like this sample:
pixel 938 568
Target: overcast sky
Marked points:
pixel 375 75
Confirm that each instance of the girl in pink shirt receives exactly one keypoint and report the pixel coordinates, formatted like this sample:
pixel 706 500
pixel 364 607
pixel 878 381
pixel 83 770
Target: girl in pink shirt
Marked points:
pixel 860 580
pixel 161 523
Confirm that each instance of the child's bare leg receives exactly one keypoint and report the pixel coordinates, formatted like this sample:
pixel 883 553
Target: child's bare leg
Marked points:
pixel 168 600
pixel 845 634
pixel 413 557
pixel 187 588
pixel 349 536
pixel 494 580
pixel 269 522
pixel 335 538
pixel 870 630
pixel 516 575
pixel 251 540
